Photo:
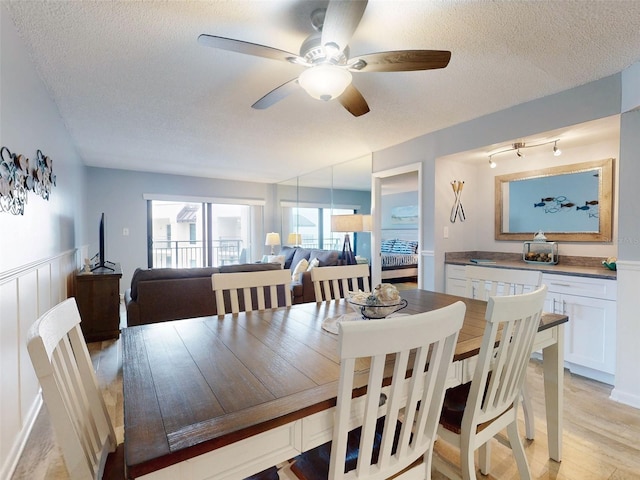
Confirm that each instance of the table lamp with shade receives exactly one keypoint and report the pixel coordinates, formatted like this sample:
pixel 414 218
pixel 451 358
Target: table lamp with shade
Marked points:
pixel 294 239
pixel 347 224
pixel 272 240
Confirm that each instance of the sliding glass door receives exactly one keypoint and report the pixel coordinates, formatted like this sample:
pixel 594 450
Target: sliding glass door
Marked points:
pixel 189 234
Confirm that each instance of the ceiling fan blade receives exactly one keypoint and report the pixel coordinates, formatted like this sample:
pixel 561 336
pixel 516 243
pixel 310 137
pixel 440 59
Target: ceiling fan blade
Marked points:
pixel 401 61
pixel 341 20
pixel 353 101
pixel 249 48
pixel 277 94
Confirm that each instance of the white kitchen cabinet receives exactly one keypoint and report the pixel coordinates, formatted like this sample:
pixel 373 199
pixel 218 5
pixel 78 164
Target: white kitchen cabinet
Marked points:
pixel 590 334
pixel 590 304
pixel 455 280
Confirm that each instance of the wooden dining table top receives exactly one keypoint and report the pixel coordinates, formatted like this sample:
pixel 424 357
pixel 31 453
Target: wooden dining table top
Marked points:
pixel 194 385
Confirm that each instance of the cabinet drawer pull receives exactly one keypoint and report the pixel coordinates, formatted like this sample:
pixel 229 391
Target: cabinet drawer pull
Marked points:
pixel 561 284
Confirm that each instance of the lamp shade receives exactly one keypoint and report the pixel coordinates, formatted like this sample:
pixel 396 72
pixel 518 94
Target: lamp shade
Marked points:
pixel 367 223
pixel 325 82
pixel 294 239
pixel 272 239
pixel 347 223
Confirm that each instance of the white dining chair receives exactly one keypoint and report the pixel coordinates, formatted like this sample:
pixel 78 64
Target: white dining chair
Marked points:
pixel 241 285
pixel 485 282
pixel 475 412
pixel 331 283
pixel 70 391
pixel 389 427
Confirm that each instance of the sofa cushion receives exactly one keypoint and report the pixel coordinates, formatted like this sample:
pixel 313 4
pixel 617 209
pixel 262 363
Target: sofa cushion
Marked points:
pixel 167 273
pixel 326 258
pixel 250 267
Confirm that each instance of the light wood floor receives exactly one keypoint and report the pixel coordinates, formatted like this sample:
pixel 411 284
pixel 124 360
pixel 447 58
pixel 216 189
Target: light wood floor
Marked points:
pixel 601 437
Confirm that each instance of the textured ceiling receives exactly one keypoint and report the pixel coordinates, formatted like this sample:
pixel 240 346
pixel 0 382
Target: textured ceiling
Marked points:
pixel 138 92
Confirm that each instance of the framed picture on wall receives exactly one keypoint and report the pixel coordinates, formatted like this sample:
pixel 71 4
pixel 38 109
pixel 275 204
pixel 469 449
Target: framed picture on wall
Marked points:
pixel 404 215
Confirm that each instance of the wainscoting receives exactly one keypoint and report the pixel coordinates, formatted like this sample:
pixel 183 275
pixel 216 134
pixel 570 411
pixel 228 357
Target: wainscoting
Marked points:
pixel 25 293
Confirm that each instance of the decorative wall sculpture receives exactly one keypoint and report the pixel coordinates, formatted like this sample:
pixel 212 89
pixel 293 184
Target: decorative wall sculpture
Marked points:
pixel 19 175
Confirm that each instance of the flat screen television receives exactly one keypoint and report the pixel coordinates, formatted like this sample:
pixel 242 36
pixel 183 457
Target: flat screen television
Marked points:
pixel 101 262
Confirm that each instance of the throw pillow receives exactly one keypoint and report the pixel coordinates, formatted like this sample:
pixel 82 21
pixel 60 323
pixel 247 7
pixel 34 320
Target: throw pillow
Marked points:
pixel 300 268
pixel 313 264
pixel 299 255
pixel 386 246
pixel 326 258
pixel 402 246
pixel 288 253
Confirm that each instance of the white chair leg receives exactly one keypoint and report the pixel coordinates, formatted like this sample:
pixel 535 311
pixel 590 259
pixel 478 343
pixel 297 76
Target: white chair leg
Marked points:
pixel 518 451
pixel 467 461
pixel 484 458
pixel 527 409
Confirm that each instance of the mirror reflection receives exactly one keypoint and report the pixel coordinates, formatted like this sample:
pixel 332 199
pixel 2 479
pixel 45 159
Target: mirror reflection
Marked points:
pixel 307 203
pixel 571 202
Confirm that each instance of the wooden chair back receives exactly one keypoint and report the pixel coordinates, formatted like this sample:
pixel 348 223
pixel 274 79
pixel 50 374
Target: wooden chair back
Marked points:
pixel 262 284
pixel 490 401
pixel 331 283
pixel 423 344
pixel 485 282
pixel 500 372
pixel 70 391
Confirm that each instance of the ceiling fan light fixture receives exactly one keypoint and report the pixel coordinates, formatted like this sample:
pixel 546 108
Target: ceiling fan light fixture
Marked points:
pixel 325 82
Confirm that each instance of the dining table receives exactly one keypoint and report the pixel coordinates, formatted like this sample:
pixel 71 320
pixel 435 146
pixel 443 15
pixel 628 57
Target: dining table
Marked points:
pixel 225 397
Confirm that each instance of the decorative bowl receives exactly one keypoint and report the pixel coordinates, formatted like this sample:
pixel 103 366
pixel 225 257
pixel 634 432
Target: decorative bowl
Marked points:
pixel 371 310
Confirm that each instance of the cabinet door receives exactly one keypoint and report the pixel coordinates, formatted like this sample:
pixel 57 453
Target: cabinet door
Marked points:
pixel 455 283
pixel 590 332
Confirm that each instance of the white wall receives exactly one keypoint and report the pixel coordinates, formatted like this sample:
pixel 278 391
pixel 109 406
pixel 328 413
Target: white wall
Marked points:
pixel 119 194
pixel 596 100
pixel 37 249
pixel 477 232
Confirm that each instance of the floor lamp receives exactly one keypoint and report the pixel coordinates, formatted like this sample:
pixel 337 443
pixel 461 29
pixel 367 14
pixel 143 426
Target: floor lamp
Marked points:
pixel 347 224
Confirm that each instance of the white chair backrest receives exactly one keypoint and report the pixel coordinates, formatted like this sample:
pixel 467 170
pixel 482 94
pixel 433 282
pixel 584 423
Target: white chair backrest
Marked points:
pixel 70 391
pixel 243 283
pixel 514 320
pixel 485 282
pixel 424 344
pixel 331 283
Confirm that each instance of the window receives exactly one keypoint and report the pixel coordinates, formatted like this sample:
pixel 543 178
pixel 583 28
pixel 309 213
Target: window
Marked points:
pixel 314 224
pixel 190 234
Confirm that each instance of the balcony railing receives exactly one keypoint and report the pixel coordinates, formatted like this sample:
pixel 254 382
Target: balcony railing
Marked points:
pixel 187 253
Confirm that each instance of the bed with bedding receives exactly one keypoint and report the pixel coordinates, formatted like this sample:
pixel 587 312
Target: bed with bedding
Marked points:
pixel 399 258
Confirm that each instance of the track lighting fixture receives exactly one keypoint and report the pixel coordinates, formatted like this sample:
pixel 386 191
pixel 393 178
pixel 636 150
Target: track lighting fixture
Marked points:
pixel 556 151
pixel 518 146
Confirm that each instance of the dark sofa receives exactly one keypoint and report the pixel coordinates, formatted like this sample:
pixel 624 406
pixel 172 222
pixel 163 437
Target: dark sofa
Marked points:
pixel 161 294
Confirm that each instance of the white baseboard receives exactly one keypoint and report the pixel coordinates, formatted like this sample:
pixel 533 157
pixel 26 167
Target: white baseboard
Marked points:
pixel 18 447
pixel 626 398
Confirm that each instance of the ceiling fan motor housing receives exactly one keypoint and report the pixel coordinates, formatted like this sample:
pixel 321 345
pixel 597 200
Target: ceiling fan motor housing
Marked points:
pixel 314 53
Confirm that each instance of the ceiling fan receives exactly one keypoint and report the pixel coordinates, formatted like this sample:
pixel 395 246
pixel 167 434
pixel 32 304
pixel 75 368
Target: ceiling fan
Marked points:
pixel 325 54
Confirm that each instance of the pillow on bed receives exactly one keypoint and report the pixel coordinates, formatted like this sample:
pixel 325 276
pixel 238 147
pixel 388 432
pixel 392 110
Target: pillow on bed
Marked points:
pixel 386 246
pixel 404 246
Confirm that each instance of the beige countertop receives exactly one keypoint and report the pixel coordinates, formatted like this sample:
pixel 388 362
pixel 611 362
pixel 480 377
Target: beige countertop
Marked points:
pixel 576 266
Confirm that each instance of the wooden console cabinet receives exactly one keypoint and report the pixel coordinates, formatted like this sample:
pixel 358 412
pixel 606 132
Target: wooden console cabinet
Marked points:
pixel 98 298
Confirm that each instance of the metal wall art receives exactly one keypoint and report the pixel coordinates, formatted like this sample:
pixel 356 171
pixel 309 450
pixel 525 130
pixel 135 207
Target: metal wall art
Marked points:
pixel 19 175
